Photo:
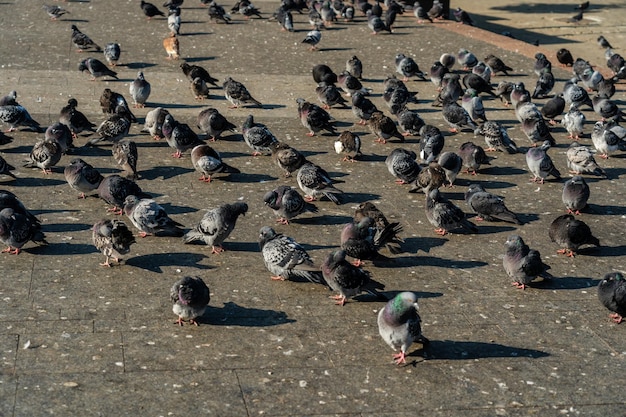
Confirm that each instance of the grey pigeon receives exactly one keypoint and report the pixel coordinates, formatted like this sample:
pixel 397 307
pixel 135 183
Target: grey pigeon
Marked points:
pixel 82 41
pixel 257 136
pixel 114 189
pixel 605 140
pixel 383 127
pixel 140 90
pixel 16 115
pixel 217 13
pixel 575 194
pixel 375 23
pixel 431 143
pixel 488 206
pixel 54 11
pixel 430 177
pixel 473 105
pixel 348 143
pixel 420 13
pixel 447 60
pixel 285 19
pixel 179 136
pixel 504 90
pixel 190 297
pixel 606 108
pixel 570 234
pixel 362 107
pixel 350 84
pixel 112 53
pixel 154 122
pixel 437 72
pixel 62 135
pixel 287 158
pixel 287 203
pixel 612 294
pixel 473 157
pixel 389 234
pixel 285 258
pixel 213 123
pixel 199 88
pixel 314 118
pixel 451 163
pixel 114 128
pixel 82 176
pixel 462 17
pixel 17 229
pixel 436 11
pixel 10 200
pixel 444 215
pixel 407 67
pixel 312 38
pixel 329 95
pixel 540 164
pixel 553 108
pixel 537 131
pixel 573 121
pixel 402 164
pixel 6 168
pixel 315 183
pixel 478 83
pixel 544 85
pixel 497 65
pixel 466 59
pixel 150 218
pixel 238 94
pixel 523 264
pixel 355 67
pixel 96 68
pixel 45 154
pixel 520 94
pixel 399 324
pixel 363 239
pixel 457 117
pixel 75 119
pixel 580 160
pixel 397 99
pixel 496 137
pixel 347 279
pixel 174 20
pixel 483 70
pixel 10 99
pixel 541 63
pixel 409 121
pixel 125 154
pixel 112 238
pixel 196 71
pixel 208 162
pixel 216 225
pixel 591 79
pixel 150 10
pixel 575 95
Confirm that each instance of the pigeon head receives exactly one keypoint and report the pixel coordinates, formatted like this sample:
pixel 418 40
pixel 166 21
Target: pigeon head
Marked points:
pixel 239 207
pixel 401 307
pixel 514 242
pixel 265 235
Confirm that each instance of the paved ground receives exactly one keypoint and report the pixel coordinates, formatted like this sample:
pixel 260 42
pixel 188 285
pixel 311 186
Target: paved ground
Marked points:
pixel 80 339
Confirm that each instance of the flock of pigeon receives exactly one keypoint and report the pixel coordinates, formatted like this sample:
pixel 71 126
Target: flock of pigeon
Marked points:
pixel 430 170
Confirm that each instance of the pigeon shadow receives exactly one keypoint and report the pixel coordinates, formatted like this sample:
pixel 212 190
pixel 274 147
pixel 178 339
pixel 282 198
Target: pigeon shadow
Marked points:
pixel 494 184
pixel 19 149
pixel 170 209
pixel 373 158
pixel 232 314
pixel 467 350
pixel 74 20
pixel 566 283
pixel 194 34
pixel 137 65
pixel 420 294
pixel 249 178
pixel 266 106
pixel 94 151
pixel 425 244
pixel 606 210
pixel 357 197
pixel 36 182
pixel 156 261
pixel 527 217
pixel 64 248
pixel 326 220
pixel 448 263
pixel 241 246
pixel 606 251
pixel 65 227
pixel 504 170
pixel 334 49
pixel 164 172
pixel 176 105
pixel 484 229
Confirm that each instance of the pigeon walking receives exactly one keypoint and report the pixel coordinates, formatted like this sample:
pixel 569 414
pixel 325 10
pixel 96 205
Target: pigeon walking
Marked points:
pixel 216 225
pixel 112 238
pixel 523 264
pixel 570 234
pixel 347 279
pixel 287 203
pixel 208 162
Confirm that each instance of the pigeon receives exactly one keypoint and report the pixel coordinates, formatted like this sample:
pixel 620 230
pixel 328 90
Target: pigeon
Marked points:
pixel 179 136
pixel 6 168
pixel 496 137
pixel 437 72
pixel 612 294
pixel 573 121
pixel 17 229
pixel 436 11
pixel 314 118
pixel 315 182
pixel 258 137
pixel 285 19
pixel 329 95
pixel 362 107
pixel 238 94
pixel 62 135
pixel 447 60
pixel 82 41
pixel 522 263
pixel 536 130
pixel 54 11
pixel 10 200
pixel 208 162
pixel 355 67
pixel 112 238
pixel 376 24
pixel 478 83
pixel 570 234
pixel 216 225
pixel 348 143
pixel 17 115
pixel 504 90
pixel 575 194
pixel 10 99
pixel 112 52
pixel 430 177
pixel 463 17
pixel 575 94
pixel 466 59
pixel 540 164
pixel 579 66
pixel 473 157
pixel 150 218
pixel 114 128
pixel 580 160
pixel 488 206
pixel 544 85
pixel 347 12
pixel 350 84
pixel 605 140
pixel 362 240
pixel 409 121
pixel 139 90
pixel 565 58
pixel 287 158
pixel 391 14
pixel 173 20
pixel 420 13
pixel 603 42
pixel 323 74
pixel 451 163
pixel 397 99
pixel 347 279
pixel 606 87
pixel 312 38
pixel 553 108
pixel 246 9
pixel 591 79
pixel 483 70
pixel 199 89
pixel 389 230
pixel 124 153
pixel 213 123
pixel 196 71
pixel 457 117
pixel 606 108
pixel 110 101
pixel 217 13
pixel 74 119
pixel 285 258
pixel 383 127
pixel 399 324
pixel 473 105
pixel 82 176
pixel 402 164
pixel 190 297
pixel 407 66
pixel 45 154
pixel 114 189
pixel 172 46
pixel 96 68
pixel 444 215
pixel 497 65
pixel 154 122
pixel 287 203
pixel 614 61
pixel 541 64
pixel 150 10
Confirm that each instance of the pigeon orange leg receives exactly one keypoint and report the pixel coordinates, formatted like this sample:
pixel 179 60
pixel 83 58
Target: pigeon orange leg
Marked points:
pixel 617 318
pixel 358 263
pixel 380 140
pixel 341 300
pixel 180 321
pixel 217 249
pixel 519 285
pixel 277 278
pixel 311 134
pixel 177 154
pixel 441 232
pixel 282 220
pixel 399 358
pixel 15 251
